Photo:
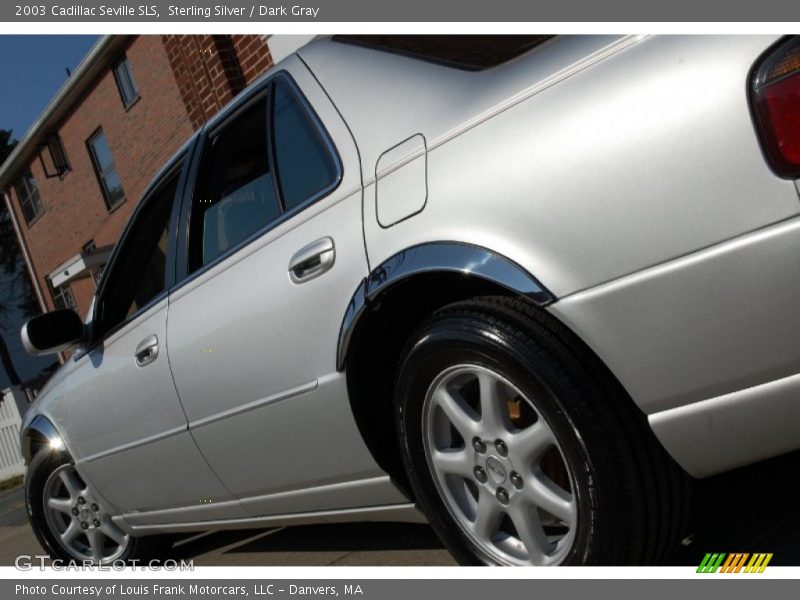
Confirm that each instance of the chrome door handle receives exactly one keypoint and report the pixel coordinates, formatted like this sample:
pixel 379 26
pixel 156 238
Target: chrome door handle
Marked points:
pixel 312 260
pixel 147 351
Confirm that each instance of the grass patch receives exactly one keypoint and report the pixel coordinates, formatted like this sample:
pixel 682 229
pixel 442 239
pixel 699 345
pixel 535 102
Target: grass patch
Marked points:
pixel 11 483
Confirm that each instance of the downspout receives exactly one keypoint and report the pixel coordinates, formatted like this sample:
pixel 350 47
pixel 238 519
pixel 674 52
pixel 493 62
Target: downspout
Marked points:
pixel 25 254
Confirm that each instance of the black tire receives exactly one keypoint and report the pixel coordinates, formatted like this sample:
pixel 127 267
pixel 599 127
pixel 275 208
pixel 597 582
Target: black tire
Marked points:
pixel 44 464
pixel 632 498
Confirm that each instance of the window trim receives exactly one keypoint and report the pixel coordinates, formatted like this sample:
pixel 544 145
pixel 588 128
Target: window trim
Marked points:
pixel 101 174
pixel 182 274
pixel 123 59
pixel 17 182
pixel 178 165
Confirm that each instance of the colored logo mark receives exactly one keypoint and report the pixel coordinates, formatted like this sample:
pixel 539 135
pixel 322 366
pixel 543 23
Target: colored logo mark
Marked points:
pixel 734 563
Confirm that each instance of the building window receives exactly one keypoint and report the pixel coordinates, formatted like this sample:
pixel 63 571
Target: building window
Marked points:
pixel 62 296
pixel 125 81
pixel 107 176
pixel 57 154
pixel 29 199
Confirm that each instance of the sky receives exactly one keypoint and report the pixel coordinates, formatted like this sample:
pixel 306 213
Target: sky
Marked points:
pixel 32 69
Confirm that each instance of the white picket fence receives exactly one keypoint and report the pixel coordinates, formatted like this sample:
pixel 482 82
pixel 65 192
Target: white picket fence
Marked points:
pixel 11 462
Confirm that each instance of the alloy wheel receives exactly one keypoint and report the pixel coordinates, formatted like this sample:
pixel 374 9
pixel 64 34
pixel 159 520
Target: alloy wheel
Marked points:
pixel 79 524
pixel 499 467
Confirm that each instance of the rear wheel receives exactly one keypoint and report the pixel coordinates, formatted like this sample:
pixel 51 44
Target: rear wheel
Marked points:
pixel 522 449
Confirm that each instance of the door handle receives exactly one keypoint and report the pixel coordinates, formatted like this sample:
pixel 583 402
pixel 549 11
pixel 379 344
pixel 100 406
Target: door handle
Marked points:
pixel 312 260
pixel 147 351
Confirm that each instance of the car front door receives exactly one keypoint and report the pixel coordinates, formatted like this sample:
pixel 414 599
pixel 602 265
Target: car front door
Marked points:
pixel 129 433
pixel 275 251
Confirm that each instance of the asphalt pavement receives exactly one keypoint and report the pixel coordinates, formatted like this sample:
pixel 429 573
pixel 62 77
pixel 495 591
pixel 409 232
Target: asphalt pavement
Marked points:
pixel 754 509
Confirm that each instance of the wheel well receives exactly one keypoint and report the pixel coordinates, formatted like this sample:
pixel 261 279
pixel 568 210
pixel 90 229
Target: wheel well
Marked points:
pixel 376 347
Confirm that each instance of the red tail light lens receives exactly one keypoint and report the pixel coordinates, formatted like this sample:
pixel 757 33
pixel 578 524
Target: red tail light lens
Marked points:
pixel 776 105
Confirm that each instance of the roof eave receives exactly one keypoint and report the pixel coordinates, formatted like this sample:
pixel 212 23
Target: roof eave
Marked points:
pixel 93 64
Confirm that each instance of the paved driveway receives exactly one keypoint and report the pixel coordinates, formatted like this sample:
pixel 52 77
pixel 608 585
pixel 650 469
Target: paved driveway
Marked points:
pixel 751 510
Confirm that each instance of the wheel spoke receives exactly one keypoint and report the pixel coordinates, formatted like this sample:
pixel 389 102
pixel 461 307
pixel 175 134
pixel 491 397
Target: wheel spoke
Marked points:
pixel 462 417
pixel 530 444
pixel 541 491
pixel 530 532
pixel 96 544
pixel 453 462
pixel 71 533
pixel 487 516
pixel 494 412
pixel 61 505
pixel 112 532
pixel 70 482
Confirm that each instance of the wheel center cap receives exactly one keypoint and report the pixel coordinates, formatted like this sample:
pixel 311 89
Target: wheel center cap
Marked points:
pixel 86 514
pixel 496 469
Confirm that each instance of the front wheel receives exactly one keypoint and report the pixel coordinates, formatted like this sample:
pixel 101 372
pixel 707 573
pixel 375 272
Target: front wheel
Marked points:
pixel 522 450
pixel 71 523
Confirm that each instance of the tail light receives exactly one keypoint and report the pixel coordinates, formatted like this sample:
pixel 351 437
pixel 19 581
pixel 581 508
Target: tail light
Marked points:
pixel 775 96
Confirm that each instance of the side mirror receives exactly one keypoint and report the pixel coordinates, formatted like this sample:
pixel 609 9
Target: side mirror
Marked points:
pixel 53 332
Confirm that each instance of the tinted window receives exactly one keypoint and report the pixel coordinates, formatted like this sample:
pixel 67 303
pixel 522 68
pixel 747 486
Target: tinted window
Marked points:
pixel 139 271
pixel 265 160
pixel 235 194
pixel 303 162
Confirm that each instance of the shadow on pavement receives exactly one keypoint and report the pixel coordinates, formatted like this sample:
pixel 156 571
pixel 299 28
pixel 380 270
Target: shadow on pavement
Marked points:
pixel 754 509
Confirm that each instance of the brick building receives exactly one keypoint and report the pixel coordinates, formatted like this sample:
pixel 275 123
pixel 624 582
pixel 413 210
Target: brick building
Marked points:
pixel 73 180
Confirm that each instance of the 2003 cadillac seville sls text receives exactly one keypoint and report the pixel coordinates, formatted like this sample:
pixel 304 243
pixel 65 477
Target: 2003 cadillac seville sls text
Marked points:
pixel 523 288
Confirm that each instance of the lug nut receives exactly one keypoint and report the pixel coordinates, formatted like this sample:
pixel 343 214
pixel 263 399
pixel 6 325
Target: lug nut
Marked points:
pixel 95 507
pixel 501 447
pixel 75 511
pixel 81 500
pixel 84 525
pixel 502 495
pixel 516 479
pixel 478 445
pixel 480 474
pixel 96 523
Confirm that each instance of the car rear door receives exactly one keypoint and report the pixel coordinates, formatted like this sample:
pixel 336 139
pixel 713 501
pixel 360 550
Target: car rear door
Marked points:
pixel 273 254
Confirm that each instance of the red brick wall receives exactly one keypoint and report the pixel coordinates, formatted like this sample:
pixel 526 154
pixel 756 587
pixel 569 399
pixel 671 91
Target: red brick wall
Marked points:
pixel 141 139
pixel 254 56
pixel 211 69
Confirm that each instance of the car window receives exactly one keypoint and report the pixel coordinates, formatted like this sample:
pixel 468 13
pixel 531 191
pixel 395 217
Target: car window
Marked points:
pixel 269 158
pixel 235 193
pixel 138 273
pixel 303 162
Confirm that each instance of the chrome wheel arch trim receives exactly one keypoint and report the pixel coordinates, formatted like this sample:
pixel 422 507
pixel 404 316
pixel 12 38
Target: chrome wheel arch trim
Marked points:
pixel 41 429
pixel 431 257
